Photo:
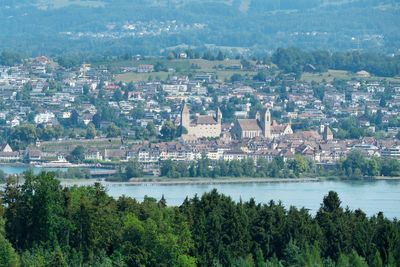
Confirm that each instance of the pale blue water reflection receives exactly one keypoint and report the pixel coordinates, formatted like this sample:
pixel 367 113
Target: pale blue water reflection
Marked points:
pixel 18 169
pixel 370 196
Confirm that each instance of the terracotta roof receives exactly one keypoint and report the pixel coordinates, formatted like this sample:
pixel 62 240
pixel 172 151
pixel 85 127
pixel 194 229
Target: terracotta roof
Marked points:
pixel 277 129
pixel 249 125
pixel 234 152
pixel 306 135
pixel 274 123
pixel 8 154
pixel 205 120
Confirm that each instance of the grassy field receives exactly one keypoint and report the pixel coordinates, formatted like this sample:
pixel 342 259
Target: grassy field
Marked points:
pixel 186 66
pixel 226 74
pixel 182 66
pixel 137 77
pixel 44 4
pixel 330 75
pixel 68 145
pixel 207 65
pixel 178 63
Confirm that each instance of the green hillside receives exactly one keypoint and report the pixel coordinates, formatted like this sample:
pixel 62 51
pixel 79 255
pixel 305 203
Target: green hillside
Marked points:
pixel 148 26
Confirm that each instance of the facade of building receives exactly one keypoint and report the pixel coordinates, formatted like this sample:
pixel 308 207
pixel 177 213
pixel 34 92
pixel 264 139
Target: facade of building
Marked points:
pixel 391 152
pixel 261 126
pixel 204 126
pixel 45 117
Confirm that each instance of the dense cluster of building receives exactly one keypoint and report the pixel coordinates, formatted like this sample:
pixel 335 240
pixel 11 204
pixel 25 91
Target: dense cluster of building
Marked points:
pixel 41 92
pixel 136 29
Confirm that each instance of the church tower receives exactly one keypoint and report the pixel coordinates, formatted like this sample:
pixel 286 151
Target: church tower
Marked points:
pixel 327 135
pixel 266 124
pixel 219 116
pixel 185 117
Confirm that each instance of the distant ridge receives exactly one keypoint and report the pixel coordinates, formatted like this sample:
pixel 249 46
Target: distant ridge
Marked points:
pixel 97 26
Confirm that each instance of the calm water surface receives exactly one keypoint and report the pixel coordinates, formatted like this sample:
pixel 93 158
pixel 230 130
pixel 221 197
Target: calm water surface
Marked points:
pixel 18 169
pixel 371 196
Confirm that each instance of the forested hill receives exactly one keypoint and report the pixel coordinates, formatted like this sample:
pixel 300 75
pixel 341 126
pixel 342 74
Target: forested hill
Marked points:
pixel 148 26
pixel 43 224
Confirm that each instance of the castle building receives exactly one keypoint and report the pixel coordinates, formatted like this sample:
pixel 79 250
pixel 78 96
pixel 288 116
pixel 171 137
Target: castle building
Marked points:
pixel 262 125
pixel 203 126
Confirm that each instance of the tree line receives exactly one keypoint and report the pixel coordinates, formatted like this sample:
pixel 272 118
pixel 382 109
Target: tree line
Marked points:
pixel 45 224
pixel 356 165
pixel 205 167
pixel 297 60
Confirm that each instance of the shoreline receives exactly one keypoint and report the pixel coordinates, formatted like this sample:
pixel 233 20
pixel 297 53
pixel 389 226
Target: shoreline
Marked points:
pixel 388 178
pixel 207 181
pixel 210 181
pixel 189 181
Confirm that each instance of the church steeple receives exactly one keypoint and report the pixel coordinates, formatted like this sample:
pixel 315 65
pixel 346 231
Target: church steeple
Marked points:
pixel 219 116
pixel 266 124
pixel 185 116
pixel 327 135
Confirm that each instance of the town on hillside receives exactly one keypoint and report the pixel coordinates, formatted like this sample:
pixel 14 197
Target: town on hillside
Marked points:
pixel 153 110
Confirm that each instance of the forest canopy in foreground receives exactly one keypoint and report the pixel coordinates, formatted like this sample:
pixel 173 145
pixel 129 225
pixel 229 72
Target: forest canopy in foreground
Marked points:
pixel 45 224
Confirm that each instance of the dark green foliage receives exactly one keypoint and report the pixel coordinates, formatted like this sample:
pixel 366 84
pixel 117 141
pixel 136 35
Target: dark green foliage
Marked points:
pixel 236 77
pixel 349 129
pixel 236 168
pixel 90 131
pixel 8 256
pixel 293 60
pixel 357 165
pixel 77 155
pixel 168 131
pixel 260 76
pixel 47 133
pixel 262 24
pixel 152 131
pixel 390 167
pixel 133 169
pixel 35 211
pixel 3 176
pixel 21 136
pixel 83 226
pixel 10 59
pixel 113 131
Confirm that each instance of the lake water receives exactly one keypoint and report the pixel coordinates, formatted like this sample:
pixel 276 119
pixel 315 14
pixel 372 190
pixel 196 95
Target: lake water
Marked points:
pixel 370 196
pixel 18 169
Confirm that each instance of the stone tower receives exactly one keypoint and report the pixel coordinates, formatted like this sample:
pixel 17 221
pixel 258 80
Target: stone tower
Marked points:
pixel 327 135
pixel 266 124
pixel 185 117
